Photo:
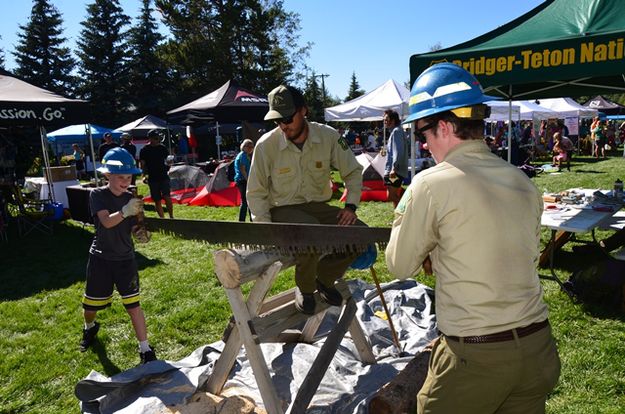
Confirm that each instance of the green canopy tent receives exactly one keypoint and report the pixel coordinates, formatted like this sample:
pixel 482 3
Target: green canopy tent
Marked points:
pixel 560 48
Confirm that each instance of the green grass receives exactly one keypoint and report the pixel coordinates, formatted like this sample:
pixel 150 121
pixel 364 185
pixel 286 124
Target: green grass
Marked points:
pixel 43 279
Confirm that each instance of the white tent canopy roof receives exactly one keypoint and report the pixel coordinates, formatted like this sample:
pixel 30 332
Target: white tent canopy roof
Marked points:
pixel 500 111
pixel 371 106
pixel 531 110
pixel 147 122
pixel 567 108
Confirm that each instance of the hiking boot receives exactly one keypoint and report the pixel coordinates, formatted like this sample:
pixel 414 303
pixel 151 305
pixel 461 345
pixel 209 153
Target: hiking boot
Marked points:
pixel 88 336
pixel 147 356
pixel 330 295
pixel 304 302
pixel 591 249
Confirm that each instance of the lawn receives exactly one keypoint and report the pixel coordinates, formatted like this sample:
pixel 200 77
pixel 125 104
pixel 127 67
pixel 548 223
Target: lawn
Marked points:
pixel 43 279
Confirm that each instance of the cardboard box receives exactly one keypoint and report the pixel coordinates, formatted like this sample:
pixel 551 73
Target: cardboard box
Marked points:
pixel 65 173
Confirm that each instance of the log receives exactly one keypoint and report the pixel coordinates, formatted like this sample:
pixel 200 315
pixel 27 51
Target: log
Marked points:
pixel 400 395
pixel 236 267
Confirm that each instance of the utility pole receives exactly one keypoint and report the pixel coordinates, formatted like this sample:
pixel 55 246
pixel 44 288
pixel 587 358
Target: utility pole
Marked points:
pixel 323 76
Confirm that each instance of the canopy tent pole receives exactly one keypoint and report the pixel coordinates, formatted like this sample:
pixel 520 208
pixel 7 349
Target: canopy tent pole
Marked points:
pixel 509 123
pixel 95 171
pixel 218 140
pixel 46 162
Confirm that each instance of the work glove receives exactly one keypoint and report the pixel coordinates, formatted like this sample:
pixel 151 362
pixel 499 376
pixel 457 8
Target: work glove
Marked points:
pixel 134 207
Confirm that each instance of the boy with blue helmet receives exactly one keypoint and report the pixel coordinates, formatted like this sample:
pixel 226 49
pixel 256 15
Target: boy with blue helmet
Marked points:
pixel 496 353
pixel 111 255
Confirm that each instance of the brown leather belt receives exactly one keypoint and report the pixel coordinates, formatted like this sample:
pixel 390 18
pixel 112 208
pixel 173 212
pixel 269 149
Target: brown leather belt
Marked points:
pixel 502 336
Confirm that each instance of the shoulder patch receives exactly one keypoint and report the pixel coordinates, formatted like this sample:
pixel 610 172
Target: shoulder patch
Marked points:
pixel 343 144
pixel 405 199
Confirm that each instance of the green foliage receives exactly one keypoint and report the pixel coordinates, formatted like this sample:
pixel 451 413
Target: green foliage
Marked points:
pixel 251 41
pixel 103 51
pixel 40 56
pixel 148 81
pixel 43 282
pixel 314 98
pixel 354 89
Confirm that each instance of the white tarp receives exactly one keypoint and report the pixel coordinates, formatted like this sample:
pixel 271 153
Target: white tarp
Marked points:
pixel 371 106
pixel 347 386
pixel 567 108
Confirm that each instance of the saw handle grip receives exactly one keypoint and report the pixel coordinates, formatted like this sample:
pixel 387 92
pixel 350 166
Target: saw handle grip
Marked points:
pixel 141 233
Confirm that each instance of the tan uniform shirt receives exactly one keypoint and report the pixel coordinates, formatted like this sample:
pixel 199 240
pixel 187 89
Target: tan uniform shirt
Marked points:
pixel 282 174
pixel 479 218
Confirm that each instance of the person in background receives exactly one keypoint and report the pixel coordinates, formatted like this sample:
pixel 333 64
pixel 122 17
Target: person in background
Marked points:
pixel 396 168
pixel 111 255
pixel 153 159
pixel 106 145
pixel 131 148
pixel 600 138
pixel 241 170
pixel 560 154
pixel 78 156
pixel 289 182
pixel 495 353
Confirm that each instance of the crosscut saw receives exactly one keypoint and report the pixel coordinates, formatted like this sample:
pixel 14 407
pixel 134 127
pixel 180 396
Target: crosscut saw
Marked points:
pixel 282 238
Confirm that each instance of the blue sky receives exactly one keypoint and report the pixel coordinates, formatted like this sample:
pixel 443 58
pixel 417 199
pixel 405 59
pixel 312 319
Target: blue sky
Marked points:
pixel 373 38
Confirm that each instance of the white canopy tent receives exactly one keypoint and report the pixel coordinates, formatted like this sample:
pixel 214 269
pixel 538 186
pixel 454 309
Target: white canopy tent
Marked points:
pixel 371 106
pixel 567 108
pixel 500 111
pixel 530 110
pixel 146 123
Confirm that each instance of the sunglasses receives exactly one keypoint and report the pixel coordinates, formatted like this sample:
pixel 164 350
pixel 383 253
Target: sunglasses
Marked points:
pixel 419 132
pixel 285 121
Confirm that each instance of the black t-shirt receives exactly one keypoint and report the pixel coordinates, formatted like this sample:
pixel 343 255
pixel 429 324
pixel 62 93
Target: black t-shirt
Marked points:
pixel 103 149
pixel 131 148
pixel 154 157
pixel 114 243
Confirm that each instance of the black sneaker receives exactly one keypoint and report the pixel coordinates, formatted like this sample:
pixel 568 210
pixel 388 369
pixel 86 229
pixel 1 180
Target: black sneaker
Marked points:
pixel 305 302
pixel 147 356
pixel 88 335
pixel 330 295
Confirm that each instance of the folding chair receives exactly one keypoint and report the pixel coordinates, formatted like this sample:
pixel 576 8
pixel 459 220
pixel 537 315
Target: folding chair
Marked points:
pixel 30 214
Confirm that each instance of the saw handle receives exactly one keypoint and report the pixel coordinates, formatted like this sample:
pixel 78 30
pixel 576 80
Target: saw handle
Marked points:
pixel 141 233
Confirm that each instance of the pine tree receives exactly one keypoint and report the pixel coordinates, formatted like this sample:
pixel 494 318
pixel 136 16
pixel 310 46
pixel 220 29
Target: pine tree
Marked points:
pixel 40 56
pixel 314 99
pixel 103 52
pixel 354 89
pixel 148 80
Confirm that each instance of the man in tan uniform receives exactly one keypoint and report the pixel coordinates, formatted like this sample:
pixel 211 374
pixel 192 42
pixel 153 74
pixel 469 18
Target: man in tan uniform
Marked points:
pixel 478 219
pixel 289 181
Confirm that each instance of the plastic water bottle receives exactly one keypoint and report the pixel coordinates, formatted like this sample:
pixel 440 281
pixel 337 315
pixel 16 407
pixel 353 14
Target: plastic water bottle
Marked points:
pixel 618 190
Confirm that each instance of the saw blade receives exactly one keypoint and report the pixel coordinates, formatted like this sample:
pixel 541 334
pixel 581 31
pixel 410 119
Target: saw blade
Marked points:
pixel 283 238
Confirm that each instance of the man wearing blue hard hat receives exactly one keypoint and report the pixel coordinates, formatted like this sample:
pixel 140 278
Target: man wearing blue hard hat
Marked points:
pixel 111 255
pixel 477 218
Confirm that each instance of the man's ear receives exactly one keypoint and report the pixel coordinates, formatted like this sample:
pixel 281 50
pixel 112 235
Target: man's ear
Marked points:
pixel 305 111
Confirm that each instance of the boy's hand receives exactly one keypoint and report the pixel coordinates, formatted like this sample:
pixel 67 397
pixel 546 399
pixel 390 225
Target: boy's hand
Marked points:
pixel 134 207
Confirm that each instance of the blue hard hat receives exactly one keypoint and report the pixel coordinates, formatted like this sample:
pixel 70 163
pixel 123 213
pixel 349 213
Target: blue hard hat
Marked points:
pixel 443 87
pixel 118 161
pixel 366 259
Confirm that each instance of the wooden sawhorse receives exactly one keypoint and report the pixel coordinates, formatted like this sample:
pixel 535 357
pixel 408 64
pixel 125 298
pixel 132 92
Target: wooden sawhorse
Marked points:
pixel 258 320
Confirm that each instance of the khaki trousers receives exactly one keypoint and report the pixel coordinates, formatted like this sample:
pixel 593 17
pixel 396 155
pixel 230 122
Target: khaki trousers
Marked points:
pixel 511 377
pixel 308 267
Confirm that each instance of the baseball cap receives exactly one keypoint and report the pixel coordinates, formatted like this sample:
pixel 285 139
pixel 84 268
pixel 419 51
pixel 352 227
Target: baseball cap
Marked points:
pixel 153 133
pixel 126 135
pixel 283 102
pixel 107 134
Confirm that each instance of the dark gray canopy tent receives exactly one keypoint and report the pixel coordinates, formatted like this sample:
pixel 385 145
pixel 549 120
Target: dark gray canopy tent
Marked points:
pixel 23 104
pixel 229 103
pixel 605 105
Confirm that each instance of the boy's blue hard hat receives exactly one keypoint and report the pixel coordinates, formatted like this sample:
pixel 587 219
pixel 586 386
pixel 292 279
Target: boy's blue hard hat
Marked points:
pixel 118 161
pixel 443 87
